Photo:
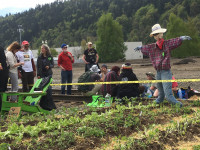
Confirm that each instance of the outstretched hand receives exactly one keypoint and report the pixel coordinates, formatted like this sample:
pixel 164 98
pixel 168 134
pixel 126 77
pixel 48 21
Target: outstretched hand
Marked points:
pixel 185 38
pixel 138 48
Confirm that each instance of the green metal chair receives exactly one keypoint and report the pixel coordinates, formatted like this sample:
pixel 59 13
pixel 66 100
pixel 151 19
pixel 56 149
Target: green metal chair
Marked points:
pixel 27 101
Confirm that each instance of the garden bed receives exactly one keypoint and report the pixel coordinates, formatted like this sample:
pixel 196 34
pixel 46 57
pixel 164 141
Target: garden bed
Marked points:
pixel 135 125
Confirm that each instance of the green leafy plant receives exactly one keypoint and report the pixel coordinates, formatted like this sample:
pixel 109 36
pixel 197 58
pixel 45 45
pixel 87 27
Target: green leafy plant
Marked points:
pixel 89 131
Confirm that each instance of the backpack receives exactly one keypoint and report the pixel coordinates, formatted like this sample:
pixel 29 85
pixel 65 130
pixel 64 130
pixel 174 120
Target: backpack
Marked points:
pixel 85 77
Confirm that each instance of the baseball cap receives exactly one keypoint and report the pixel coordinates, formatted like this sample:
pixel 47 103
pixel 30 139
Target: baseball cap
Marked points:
pixel 25 43
pixel 63 45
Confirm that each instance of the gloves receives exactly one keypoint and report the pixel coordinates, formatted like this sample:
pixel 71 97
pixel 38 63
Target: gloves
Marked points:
pixel 185 38
pixel 138 48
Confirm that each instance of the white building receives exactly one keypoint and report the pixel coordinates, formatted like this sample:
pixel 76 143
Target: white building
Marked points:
pixel 131 53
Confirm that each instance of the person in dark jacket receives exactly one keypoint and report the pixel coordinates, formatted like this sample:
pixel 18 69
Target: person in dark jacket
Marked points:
pixel 3 73
pixel 128 90
pixel 113 75
pixel 45 64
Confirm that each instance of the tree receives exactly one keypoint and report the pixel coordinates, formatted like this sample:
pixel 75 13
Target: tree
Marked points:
pixel 54 53
pixel 126 25
pixel 143 20
pixel 177 27
pixel 110 44
pixel 83 45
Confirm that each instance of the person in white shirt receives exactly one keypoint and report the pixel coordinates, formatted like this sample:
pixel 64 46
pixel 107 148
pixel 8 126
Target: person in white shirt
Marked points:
pixel 13 64
pixel 28 70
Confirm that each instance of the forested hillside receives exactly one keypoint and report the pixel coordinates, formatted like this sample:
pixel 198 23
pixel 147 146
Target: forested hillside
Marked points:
pixel 74 20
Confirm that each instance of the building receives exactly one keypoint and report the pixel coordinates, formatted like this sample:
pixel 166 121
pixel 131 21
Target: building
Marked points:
pixel 131 53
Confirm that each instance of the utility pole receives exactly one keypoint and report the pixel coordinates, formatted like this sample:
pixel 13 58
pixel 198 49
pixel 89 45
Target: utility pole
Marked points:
pixel 20 30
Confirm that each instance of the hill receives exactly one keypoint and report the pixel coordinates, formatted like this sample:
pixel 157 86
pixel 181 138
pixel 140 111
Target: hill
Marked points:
pixel 74 20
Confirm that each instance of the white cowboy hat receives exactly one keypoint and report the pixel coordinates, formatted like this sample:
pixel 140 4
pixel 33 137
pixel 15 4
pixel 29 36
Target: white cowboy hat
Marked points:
pixel 157 29
pixel 95 69
pixel 89 43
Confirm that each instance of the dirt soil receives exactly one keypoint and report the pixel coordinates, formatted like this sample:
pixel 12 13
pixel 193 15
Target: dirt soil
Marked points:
pixel 181 68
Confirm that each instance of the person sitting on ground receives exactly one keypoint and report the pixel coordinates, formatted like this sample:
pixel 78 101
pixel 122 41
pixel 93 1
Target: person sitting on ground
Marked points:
pixel 113 75
pixel 90 76
pixel 174 85
pixel 128 90
pixel 174 89
pixel 104 71
pixel 150 88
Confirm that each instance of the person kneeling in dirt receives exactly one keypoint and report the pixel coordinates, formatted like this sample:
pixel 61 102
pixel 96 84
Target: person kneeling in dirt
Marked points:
pixel 90 76
pixel 128 90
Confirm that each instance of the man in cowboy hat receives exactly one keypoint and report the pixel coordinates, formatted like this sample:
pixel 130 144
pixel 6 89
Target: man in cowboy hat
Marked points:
pixel 159 54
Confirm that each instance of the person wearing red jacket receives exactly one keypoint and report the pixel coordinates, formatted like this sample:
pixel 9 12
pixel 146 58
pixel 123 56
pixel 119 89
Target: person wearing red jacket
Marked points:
pixel 65 60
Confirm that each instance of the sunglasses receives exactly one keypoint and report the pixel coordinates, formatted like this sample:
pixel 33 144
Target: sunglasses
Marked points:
pixel 64 47
pixel 155 34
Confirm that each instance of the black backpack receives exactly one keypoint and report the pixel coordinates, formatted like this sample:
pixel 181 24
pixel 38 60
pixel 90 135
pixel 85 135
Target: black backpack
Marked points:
pixel 85 77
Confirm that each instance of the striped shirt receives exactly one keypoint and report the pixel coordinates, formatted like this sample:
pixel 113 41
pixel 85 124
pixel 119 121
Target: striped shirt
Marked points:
pixel 161 58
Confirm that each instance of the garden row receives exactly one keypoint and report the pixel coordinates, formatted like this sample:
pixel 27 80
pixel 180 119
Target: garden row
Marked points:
pixel 136 125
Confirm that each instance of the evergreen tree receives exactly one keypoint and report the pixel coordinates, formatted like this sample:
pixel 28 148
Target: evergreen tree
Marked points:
pixel 54 53
pixel 110 44
pixel 126 25
pixel 83 45
pixel 143 20
pixel 177 27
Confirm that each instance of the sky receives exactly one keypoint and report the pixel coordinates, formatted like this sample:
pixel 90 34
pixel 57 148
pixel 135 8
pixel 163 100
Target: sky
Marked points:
pixel 14 6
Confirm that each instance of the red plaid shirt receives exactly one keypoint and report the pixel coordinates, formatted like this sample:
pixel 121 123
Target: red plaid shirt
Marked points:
pixel 159 61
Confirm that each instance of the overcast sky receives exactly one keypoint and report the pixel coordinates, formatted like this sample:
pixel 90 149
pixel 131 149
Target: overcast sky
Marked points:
pixel 13 6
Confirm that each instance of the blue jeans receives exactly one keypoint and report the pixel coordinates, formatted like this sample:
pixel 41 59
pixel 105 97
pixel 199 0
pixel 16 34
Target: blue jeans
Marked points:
pixel 14 84
pixel 66 76
pixel 165 88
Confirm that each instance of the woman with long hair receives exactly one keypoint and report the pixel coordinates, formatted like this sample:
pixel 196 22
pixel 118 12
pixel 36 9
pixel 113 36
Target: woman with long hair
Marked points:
pixel 13 64
pixel 45 63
